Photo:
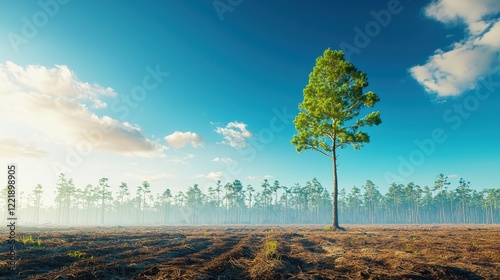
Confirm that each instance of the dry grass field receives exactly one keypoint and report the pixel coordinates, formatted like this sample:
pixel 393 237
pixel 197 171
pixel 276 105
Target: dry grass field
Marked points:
pixel 257 252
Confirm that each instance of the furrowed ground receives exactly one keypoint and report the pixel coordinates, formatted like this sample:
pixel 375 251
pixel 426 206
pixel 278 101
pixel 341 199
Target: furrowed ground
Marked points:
pixel 257 252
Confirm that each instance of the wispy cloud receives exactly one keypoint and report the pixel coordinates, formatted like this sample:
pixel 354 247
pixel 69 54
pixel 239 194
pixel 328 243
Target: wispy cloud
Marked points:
pixel 224 160
pixel 235 134
pixel 178 161
pixel 182 160
pixel 180 139
pixel 52 102
pixel 217 175
pixel 458 69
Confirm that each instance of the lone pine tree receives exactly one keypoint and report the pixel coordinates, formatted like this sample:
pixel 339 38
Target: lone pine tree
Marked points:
pixel 327 117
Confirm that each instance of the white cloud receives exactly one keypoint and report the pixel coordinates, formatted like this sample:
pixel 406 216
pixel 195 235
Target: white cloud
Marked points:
pixel 149 178
pixel 491 38
pixel 259 178
pixel 179 161
pixel 50 103
pixel 55 82
pixel 212 176
pixel 472 13
pixel 224 160
pixel 180 139
pixel 452 72
pixel 235 134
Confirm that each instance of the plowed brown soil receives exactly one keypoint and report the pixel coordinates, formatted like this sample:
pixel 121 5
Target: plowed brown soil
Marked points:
pixel 302 252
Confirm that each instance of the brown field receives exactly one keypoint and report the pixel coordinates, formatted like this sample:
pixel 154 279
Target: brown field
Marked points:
pixel 237 252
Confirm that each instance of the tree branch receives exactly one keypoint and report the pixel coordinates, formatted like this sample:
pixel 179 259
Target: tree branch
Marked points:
pixel 352 106
pixel 322 152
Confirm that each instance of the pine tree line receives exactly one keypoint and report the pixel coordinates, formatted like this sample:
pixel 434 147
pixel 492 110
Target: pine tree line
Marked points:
pixel 271 203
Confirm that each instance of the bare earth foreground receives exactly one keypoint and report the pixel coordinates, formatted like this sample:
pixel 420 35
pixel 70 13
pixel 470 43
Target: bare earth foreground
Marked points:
pixel 234 252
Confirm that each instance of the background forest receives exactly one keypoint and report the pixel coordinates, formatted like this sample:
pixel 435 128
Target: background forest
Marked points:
pixel 270 203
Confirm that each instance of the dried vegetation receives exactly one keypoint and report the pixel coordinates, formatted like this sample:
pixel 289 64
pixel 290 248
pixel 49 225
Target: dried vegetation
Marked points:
pixel 292 252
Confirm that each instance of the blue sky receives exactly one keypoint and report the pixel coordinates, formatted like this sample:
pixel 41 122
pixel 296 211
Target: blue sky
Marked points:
pixel 184 92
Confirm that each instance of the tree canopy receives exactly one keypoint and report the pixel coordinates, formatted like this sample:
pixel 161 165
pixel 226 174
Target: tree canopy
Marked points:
pixel 333 98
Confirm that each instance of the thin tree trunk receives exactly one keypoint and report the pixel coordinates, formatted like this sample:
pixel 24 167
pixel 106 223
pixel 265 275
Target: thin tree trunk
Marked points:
pixel 463 209
pixel 492 217
pixel 166 213
pixel 442 208
pixel 250 208
pixel 143 207
pixel 102 207
pixel 335 212
pixel 451 211
pixel 217 210
pixel 121 210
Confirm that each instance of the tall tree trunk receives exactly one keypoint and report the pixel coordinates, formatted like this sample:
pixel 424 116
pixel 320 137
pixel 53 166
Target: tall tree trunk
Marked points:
pixel 451 211
pixel 418 214
pixel 67 210
pixel 102 207
pixel 492 215
pixel 121 210
pixel 286 209
pixel 442 208
pixel 143 207
pixel 166 213
pixel 463 209
pixel 217 210
pixel 335 212
pixel 250 208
